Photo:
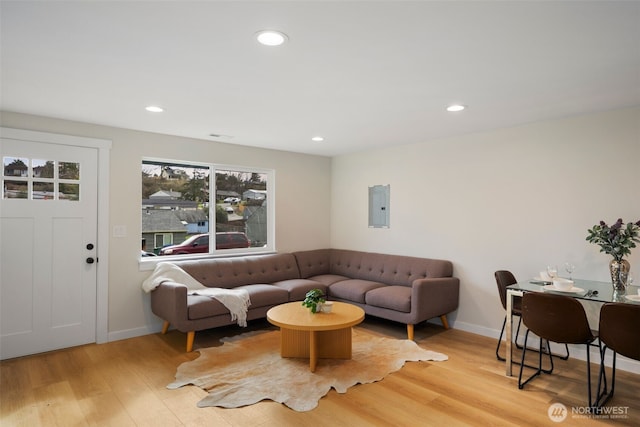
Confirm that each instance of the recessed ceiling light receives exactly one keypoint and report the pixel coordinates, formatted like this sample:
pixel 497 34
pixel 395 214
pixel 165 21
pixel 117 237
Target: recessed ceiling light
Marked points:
pixel 456 107
pixel 271 37
pixel 317 139
pixel 154 109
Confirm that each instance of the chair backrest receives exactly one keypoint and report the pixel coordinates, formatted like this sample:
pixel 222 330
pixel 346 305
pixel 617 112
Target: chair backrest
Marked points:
pixel 558 318
pixel 620 328
pixel 504 278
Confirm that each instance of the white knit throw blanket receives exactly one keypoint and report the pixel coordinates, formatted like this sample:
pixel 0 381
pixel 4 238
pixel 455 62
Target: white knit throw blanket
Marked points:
pixel 235 300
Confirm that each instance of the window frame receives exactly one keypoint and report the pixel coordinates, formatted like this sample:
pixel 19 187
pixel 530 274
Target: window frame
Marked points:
pixel 147 263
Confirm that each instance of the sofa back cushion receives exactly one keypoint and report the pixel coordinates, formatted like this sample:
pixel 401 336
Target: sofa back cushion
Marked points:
pixel 233 272
pixel 313 263
pixel 388 269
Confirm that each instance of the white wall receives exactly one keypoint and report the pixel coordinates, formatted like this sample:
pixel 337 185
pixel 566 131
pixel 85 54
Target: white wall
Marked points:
pixel 517 199
pixel 303 189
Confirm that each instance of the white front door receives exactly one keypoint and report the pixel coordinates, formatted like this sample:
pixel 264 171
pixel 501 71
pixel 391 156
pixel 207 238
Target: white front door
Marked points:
pixel 48 232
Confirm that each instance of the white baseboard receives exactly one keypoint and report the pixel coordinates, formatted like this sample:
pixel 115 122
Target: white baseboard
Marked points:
pixel 135 332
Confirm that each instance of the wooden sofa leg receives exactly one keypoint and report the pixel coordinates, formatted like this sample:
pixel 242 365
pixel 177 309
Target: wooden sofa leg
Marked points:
pixel 190 336
pixel 445 323
pixel 410 332
pixel 165 327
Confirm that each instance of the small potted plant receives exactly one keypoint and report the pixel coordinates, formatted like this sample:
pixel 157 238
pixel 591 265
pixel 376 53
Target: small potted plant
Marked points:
pixel 314 299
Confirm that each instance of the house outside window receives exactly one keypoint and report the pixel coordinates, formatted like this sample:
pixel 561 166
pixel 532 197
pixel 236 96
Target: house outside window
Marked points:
pixel 186 205
pixel 163 239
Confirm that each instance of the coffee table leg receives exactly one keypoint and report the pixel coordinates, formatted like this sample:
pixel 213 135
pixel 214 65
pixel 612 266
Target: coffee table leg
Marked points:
pixel 334 344
pixel 313 351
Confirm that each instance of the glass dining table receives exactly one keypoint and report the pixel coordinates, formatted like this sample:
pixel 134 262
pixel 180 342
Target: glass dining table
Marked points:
pixel 587 290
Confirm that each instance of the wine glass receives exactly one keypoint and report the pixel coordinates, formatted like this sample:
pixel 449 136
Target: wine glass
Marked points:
pixel 552 271
pixel 630 279
pixel 570 268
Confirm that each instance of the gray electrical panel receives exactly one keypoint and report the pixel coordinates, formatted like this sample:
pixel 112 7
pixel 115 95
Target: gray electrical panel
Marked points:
pixel 379 196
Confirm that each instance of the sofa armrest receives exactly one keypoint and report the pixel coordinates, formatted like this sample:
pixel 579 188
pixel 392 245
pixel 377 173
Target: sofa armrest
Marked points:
pixel 432 297
pixel 169 302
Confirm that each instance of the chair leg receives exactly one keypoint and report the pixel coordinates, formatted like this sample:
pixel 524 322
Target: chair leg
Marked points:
pixel 550 370
pixel 602 374
pixel 190 337
pixel 604 395
pixel 613 375
pixel 504 323
pixel 518 346
pixel 538 369
pixel 500 358
pixel 591 404
pixel 566 356
pixel 524 353
pixel 566 350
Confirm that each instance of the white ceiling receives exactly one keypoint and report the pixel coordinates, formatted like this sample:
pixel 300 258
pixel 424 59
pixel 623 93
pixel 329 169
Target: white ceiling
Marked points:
pixel 361 74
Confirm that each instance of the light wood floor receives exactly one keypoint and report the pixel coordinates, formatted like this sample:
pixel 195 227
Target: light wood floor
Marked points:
pixel 123 384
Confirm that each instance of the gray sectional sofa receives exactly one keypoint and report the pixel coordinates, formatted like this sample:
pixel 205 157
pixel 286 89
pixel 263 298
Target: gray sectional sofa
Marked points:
pixel 404 289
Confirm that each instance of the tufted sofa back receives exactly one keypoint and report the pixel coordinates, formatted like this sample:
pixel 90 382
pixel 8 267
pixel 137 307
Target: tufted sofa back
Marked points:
pixel 233 272
pixel 389 269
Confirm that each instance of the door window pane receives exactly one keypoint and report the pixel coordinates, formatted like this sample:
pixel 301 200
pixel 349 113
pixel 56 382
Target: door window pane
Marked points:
pixel 43 191
pixel 69 192
pixel 15 167
pixel 69 170
pixel 42 168
pixel 15 190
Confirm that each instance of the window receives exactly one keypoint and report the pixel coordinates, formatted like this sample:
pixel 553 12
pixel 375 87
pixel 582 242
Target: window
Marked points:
pixel 36 179
pixel 187 205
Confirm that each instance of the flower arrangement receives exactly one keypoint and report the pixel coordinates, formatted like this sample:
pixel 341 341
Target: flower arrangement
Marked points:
pixel 616 240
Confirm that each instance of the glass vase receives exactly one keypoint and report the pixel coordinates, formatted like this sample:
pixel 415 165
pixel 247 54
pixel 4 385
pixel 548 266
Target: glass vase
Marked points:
pixel 619 271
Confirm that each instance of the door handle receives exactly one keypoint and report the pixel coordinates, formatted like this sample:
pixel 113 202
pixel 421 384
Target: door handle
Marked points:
pixel 90 260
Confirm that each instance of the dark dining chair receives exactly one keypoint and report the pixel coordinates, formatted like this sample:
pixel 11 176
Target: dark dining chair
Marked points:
pixel 620 332
pixel 559 319
pixel 505 278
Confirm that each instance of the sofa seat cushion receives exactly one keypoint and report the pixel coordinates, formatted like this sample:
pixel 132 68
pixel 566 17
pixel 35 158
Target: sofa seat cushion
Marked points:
pixel 328 279
pixel 298 288
pixel 353 289
pixel 265 295
pixel 201 307
pixel 396 298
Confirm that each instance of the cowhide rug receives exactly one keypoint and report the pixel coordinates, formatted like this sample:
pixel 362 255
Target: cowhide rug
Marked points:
pixel 248 368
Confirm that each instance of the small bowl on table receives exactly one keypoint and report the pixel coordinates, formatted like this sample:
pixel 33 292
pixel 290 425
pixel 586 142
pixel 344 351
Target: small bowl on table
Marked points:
pixel 562 284
pixel 327 306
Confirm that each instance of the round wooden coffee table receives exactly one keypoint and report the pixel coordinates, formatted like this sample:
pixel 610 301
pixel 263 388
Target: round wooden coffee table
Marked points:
pixel 315 335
